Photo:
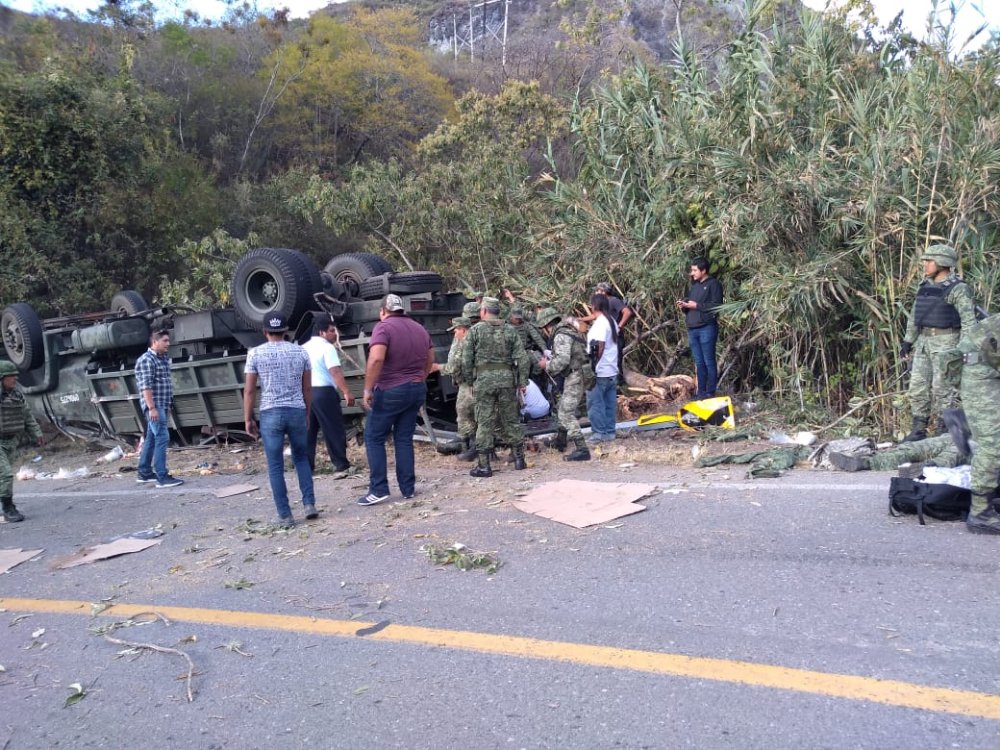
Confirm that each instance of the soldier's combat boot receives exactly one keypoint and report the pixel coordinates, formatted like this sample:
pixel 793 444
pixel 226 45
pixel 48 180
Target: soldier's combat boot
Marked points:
pixel 482 468
pixel 984 522
pixel 958 428
pixel 919 431
pixel 561 441
pixel 847 462
pixel 10 512
pixel 468 450
pixel 519 462
pixel 580 453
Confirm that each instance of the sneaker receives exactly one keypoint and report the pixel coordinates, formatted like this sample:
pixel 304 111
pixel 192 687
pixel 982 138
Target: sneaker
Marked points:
pixel 371 499
pixel 311 512
pixel 284 522
pixel 169 482
pixel 140 479
pixel 409 495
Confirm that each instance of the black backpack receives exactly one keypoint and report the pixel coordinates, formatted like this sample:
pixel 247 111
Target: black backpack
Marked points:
pixel 945 502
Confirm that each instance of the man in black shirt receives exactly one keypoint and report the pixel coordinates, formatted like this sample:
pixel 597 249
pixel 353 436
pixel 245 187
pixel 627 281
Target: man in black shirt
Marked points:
pixel 704 296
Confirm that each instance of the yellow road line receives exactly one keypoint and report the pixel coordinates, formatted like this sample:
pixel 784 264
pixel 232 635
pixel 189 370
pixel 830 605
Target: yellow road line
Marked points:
pixel 852 687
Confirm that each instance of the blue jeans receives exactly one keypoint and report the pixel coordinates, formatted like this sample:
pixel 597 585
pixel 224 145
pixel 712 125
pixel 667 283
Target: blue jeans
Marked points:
pixel 275 424
pixel 602 407
pixel 393 410
pixel 702 341
pixel 153 457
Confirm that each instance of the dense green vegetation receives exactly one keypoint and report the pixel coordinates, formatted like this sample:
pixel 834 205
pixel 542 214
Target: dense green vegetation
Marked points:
pixel 810 161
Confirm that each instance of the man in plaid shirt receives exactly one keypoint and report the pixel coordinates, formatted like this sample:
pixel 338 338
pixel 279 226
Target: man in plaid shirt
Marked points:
pixel 156 392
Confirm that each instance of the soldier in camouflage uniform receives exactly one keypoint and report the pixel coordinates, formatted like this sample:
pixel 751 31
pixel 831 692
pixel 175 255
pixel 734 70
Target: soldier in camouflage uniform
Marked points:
pixel 942 312
pixel 568 364
pixel 465 402
pixel 935 451
pixel 499 366
pixel 981 401
pixel 17 425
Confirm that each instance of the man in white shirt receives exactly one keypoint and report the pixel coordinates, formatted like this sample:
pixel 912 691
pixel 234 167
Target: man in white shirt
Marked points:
pixel 328 385
pixel 534 405
pixel 602 399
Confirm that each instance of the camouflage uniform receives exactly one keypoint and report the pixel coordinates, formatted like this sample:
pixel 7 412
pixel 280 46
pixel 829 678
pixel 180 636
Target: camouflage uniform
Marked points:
pixel 569 353
pixel 981 401
pixel 17 425
pixel 936 371
pixel 465 402
pixel 495 356
pixel 936 451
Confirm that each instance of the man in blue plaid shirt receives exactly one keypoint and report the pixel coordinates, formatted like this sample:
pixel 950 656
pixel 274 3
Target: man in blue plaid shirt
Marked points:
pixel 156 392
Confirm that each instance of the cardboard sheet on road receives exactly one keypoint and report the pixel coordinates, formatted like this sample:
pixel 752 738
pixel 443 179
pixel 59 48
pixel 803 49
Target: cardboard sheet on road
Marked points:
pixel 235 489
pixel 118 547
pixel 580 504
pixel 11 558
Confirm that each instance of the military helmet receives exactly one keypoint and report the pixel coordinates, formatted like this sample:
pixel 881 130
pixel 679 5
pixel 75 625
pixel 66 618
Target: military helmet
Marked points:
pixel 547 316
pixel 7 368
pixel 944 255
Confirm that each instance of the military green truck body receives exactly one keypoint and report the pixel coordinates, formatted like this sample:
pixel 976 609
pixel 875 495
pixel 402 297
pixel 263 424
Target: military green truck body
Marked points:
pixel 78 372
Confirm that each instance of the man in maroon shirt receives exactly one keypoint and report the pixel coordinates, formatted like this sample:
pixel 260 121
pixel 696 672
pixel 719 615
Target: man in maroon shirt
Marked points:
pixel 400 356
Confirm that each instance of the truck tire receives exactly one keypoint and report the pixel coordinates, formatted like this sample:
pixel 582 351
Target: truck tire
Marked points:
pixel 332 287
pixel 408 282
pixel 129 302
pixel 22 336
pixel 270 281
pixel 351 269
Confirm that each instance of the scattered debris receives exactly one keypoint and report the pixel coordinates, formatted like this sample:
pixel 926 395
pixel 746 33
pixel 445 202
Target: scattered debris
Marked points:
pixel 111 456
pixel 236 647
pixel 25 473
pixel 156 616
pixel 580 504
pixel 235 489
pixel 11 558
pixel 462 557
pixel 76 696
pixel 239 585
pixel 118 547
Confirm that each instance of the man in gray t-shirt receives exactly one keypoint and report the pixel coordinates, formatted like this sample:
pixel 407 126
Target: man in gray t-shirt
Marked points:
pixel 283 370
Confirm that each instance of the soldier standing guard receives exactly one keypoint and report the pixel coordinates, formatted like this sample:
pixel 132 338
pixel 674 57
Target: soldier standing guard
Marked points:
pixel 567 368
pixel 942 312
pixel 465 402
pixel 499 365
pixel 16 425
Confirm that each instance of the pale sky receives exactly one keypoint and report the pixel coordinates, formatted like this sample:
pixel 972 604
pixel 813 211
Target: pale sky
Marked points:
pixel 971 13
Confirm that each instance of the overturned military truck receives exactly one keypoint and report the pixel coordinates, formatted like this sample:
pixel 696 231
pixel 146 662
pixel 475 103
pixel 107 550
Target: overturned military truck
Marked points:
pixel 77 371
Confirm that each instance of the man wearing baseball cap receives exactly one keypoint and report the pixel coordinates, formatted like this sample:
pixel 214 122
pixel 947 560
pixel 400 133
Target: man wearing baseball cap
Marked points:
pixel 400 357
pixel 284 372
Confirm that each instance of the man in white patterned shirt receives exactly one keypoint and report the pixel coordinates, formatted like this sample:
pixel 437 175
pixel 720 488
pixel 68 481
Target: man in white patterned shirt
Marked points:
pixel 284 371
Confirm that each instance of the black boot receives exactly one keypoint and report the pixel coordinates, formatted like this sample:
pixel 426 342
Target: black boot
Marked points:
pixel 561 441
pixel 519 462
pixel 469 450
pixel 958 428
pixel 919 431
pixel 482 468
pixel 580 453
pixel 847 462
pixel 10 512
pixel 984 522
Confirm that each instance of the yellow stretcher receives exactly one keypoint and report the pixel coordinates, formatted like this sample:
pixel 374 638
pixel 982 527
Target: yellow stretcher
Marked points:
pixel 716 412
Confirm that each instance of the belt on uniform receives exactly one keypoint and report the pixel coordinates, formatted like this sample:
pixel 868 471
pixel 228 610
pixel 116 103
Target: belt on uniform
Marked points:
pixel 938 331
pixel 493 366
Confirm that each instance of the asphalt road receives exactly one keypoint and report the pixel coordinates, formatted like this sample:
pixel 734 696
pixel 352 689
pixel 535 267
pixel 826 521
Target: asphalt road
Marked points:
pixel 732 613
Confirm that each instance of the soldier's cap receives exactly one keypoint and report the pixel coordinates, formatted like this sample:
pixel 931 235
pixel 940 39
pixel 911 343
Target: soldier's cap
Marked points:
pixel 547 317
pixel 7 368
pixel 460 322
pixel 516 312
pixel 393 303
pixel 491 304
pixel 275 323
pixel 604 286
pixel 471 310
pixel 943 255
